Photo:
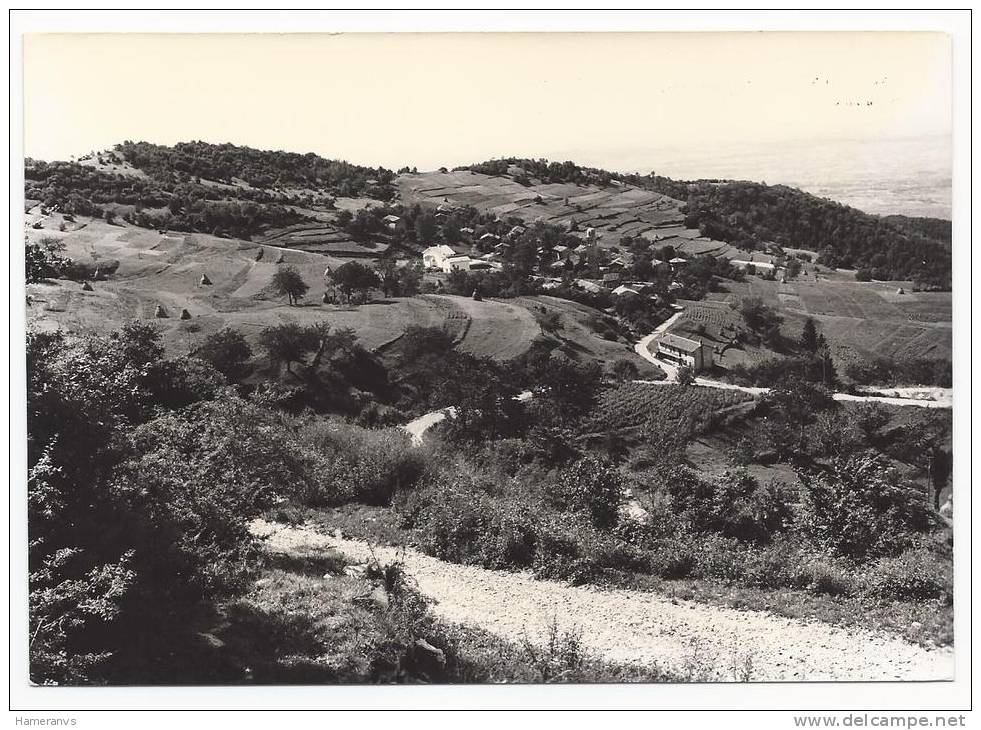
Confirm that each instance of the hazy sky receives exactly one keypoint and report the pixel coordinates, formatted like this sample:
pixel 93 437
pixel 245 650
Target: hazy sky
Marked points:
pixel 429 100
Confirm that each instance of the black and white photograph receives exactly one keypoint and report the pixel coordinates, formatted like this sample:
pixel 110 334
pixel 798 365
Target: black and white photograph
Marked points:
pixel 491 359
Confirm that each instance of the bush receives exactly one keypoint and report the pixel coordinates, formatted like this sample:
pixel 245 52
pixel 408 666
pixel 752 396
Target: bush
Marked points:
pixel 363 465
pixel 590 485
pixel 672 559
pixel 914 574
pixel 228 352
pixel 861 508
pixel 182 381
pixel 829 578
pixel 777 565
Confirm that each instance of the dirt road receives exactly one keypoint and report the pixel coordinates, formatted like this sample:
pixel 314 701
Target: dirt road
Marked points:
pixel 639 627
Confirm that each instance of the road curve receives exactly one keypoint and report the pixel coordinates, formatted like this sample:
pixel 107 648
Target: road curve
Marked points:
pixel 939 397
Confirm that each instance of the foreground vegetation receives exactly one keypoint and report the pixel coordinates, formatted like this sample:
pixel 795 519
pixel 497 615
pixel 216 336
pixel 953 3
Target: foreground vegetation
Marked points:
pixel 145 473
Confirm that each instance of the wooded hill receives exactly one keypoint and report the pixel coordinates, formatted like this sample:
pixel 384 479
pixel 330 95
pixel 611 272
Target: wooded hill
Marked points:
pixel 752 215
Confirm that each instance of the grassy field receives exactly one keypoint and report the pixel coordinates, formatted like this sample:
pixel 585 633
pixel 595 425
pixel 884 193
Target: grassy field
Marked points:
pixel 613 211
pixel 578 338
pixel 498 329
pixel 165 269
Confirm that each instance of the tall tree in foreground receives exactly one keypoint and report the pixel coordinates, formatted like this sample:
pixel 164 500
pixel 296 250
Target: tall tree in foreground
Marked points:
pixel 809 337
pixel 288 282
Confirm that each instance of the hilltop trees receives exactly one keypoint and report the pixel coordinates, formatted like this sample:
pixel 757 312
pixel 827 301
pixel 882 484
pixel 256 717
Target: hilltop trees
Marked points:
pixel 288 282
pixel 355 277
pixel 883 248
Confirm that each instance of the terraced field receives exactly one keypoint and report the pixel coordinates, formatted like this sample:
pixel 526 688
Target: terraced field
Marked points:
pixel 860 320
pixel 614 211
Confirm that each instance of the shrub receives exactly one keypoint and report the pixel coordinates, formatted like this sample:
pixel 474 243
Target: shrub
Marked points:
pixel 228 352
pixel 363 465
pixel 829 578
pixel 672 559
pixel 624 370
pixel 777 565
pixel 88 270
pixel 861 508
pixel 44 259
pixel 914 574
pixel 182 381
pixel 591 485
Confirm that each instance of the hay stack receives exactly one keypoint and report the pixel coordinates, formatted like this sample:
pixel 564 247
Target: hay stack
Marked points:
pixel 160 312
pixel 86 287
pixel 258 256
pixel 281 258
pixel 205 281
pixel 185 314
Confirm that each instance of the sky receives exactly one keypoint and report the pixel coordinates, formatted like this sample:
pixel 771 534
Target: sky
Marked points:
pixel 428 100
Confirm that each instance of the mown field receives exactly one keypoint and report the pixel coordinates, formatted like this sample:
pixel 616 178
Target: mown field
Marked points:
pixel 497 329
pixel 165 269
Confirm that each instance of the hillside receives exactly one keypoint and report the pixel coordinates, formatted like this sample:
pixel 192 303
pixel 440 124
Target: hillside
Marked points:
pixel 747 214
pixel 221 338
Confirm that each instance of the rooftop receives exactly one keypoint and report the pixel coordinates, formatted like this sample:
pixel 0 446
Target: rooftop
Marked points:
pixel 679 343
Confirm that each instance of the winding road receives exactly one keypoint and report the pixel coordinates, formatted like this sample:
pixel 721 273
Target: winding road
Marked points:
pixel 702 641
pixel 922 397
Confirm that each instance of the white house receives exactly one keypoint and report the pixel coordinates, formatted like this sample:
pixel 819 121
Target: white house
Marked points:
pixel 457 262
pixel 758 265
pixel 435 256
pixel 682 351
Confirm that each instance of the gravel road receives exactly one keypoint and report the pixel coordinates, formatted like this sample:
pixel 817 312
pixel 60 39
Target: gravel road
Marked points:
pixel 640 627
